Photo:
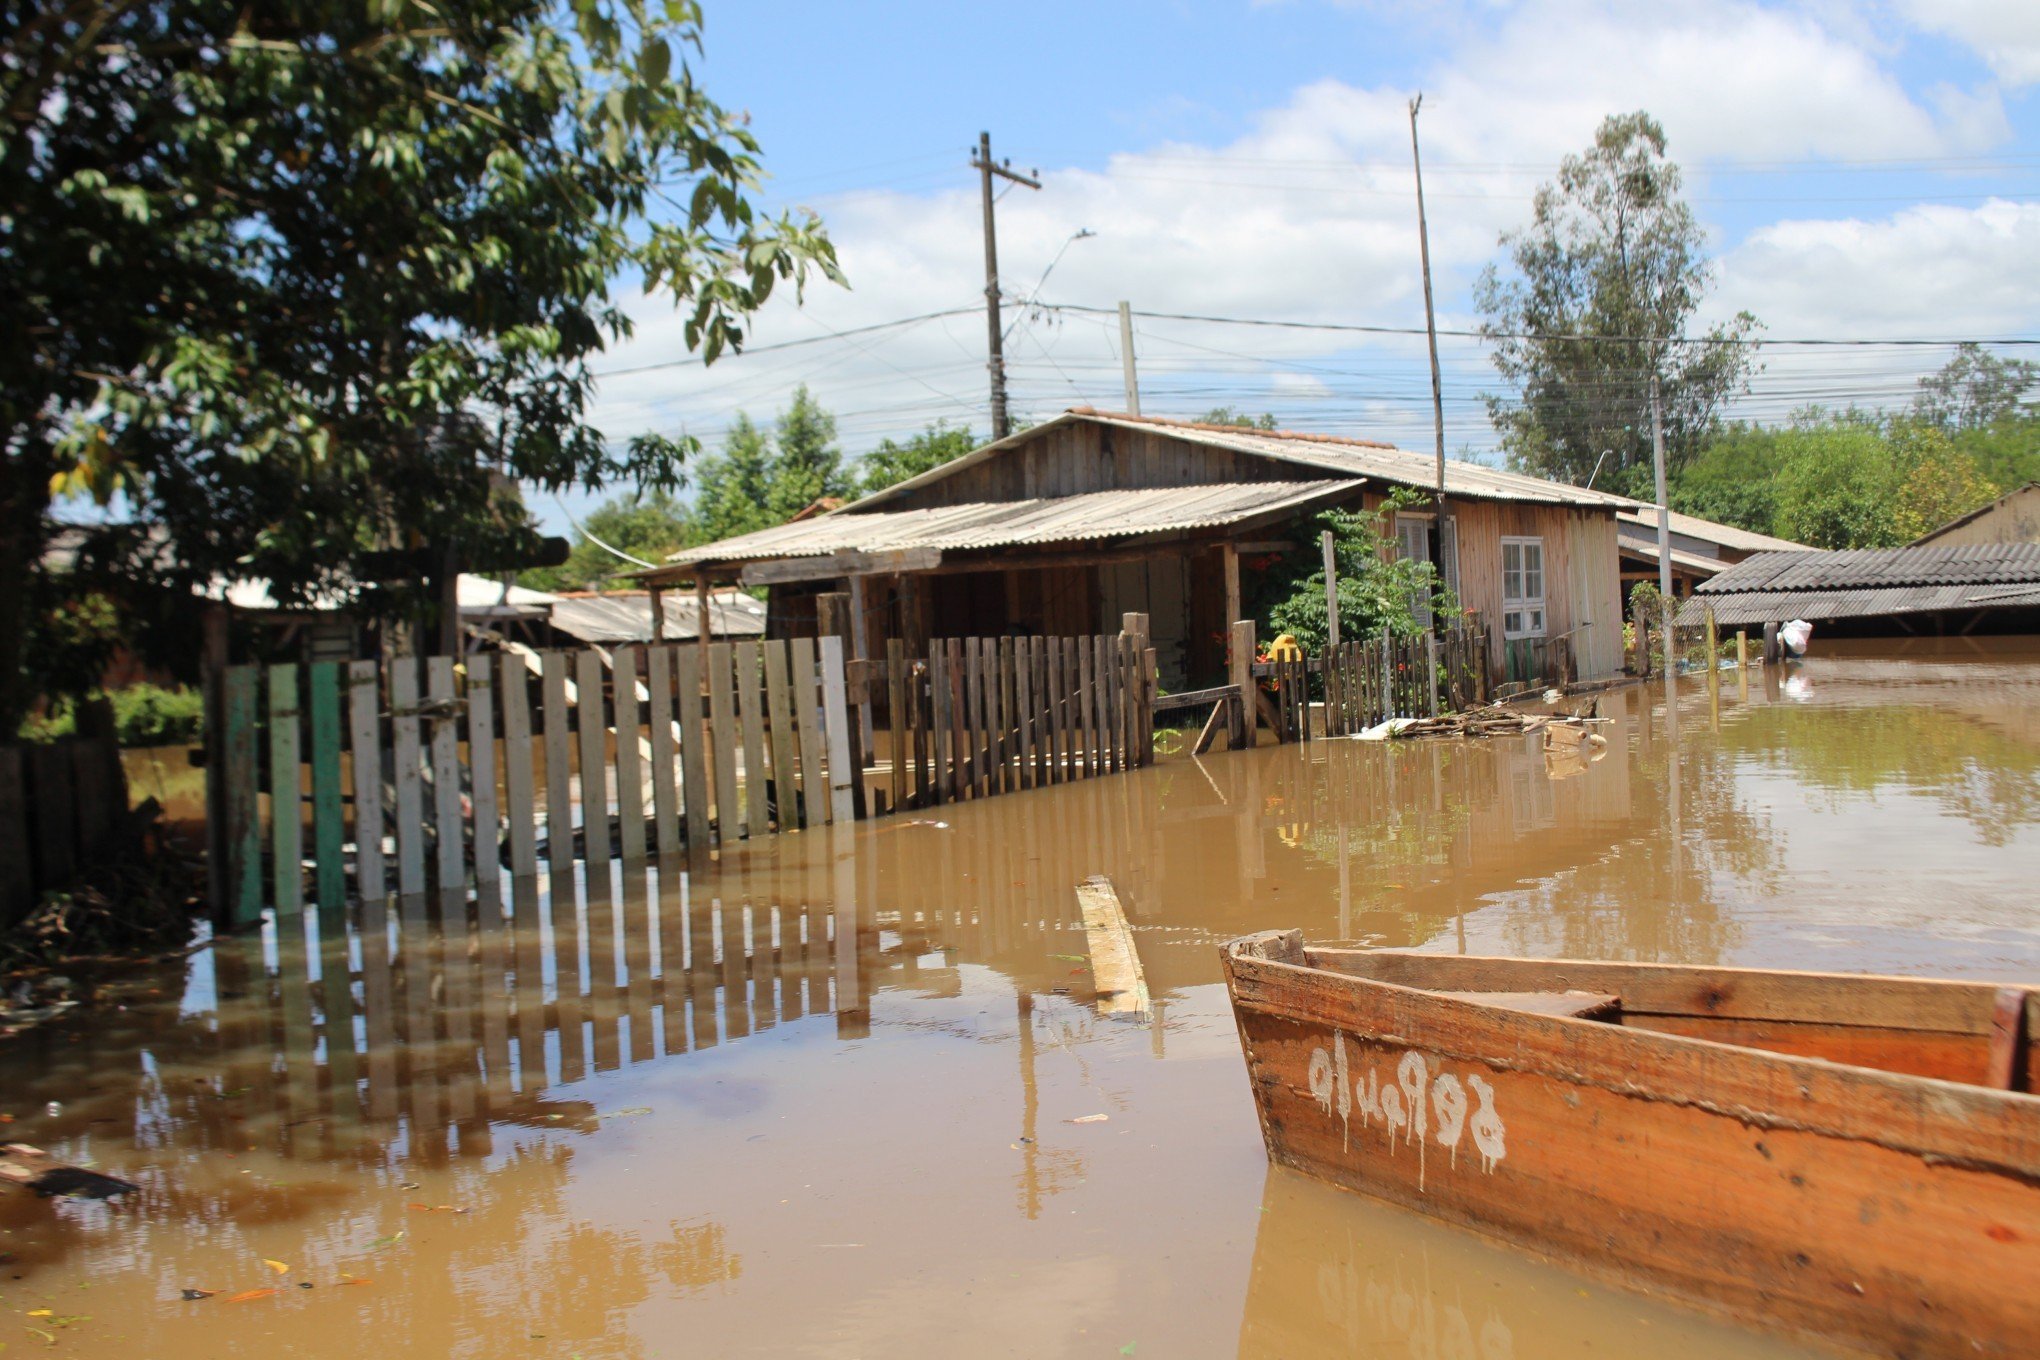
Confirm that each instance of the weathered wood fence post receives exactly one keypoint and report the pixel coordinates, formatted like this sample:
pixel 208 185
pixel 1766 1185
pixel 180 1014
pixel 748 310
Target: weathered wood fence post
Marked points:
pixel 1240 667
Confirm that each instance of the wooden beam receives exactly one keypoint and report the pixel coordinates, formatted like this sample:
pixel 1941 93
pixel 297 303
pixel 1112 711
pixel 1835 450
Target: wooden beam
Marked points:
pixel 1115 963
pixel 838 565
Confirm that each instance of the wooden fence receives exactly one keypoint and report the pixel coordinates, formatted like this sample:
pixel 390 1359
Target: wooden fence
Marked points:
pixel 1365 683
pixel 62 804
pixel 421 775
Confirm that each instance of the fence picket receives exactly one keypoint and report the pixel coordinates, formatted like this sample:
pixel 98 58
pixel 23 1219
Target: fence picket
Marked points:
pixel 520 795
pixel 751 718
pixel 364 722
pixel 481 695
pixel 593 734
pixel 836 722
pixel 286 790
pixel 630 756
pixel 665 752
pixel 779 711
pixel 407 773
pixel 896 718
pixel 451 845
pixel 559 764
pixel 694 792
pixel 722 742
pixel 814 789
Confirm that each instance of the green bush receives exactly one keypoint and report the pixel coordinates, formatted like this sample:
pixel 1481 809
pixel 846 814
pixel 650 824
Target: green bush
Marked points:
pixel 143 715
pixel 149 715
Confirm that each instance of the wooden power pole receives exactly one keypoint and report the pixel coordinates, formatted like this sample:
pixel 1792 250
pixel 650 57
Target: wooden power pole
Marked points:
pixel 1002 425
pixel 1431 331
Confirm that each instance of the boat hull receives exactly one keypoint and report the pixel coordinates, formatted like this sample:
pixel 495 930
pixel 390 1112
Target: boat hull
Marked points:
pixel 1894 1214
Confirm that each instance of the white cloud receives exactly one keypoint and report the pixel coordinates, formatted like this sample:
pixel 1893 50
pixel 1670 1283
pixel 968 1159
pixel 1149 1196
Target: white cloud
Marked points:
pixel 1309 217
pixel 2005 33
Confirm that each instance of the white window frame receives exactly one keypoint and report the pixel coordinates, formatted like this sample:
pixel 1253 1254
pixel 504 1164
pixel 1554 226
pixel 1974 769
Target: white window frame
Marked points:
pixel 1523 614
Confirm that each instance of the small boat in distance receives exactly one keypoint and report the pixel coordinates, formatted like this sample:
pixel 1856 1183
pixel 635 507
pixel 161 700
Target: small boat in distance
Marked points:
pixel 1845 1159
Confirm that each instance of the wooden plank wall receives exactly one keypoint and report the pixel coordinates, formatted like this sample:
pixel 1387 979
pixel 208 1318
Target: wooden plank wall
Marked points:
pixel 62 805
pixel 443 778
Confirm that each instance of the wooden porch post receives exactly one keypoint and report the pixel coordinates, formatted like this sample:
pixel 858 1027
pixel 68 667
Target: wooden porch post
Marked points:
pixel 658 595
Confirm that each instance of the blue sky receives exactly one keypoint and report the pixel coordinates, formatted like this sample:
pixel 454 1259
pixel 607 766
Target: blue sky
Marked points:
pixel 1865 170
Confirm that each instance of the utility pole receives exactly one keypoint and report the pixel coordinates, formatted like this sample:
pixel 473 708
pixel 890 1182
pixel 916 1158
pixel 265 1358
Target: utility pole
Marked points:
pixel 1431 331
pixel 1664 508
pixel 1126 358
pixel 982 162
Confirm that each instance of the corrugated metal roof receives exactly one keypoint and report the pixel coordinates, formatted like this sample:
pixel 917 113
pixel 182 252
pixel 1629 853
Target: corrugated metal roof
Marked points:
pixel 1331 453
pixel 626 616
pixel 1088 517
pixel 1645 547
pixel 1775 586
pixel 1727 535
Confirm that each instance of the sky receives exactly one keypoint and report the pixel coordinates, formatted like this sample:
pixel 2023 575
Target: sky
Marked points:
pixel 1865 171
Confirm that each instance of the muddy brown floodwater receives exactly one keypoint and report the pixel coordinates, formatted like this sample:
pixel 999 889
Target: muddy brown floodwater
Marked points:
pixel 841 1095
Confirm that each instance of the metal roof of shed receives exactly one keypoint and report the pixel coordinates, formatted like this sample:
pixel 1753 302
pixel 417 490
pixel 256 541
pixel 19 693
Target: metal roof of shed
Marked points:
pixel 1086 517
pixel 626 616
pixel 1856 583
pixel 1692 526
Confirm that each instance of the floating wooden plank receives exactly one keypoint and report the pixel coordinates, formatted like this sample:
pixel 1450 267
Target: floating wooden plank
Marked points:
pixel 836 720
pixel 665 751
pixel 591 726
pixel 451 860
pixel 520 794
pixel 1115 963
pixel 286 793
pixel 694 791
pixel 722 740
pixel 241 692
pixel 481 696
pixel 407 772
pixel 779 706
pixel 751 716
pixel 630 773
pixel 329 824
pixel 814 794
pixel 559 762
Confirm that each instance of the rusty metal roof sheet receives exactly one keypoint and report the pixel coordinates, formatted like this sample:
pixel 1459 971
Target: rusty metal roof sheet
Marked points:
pixel 1089 517
pixel 1775 586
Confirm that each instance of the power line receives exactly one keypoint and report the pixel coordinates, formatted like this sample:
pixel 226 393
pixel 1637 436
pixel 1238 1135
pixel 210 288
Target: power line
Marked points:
pixel 1530 335
pixel 695 361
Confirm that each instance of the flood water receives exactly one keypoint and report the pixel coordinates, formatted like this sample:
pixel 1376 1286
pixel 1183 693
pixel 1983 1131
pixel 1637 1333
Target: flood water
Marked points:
pixel 839 1094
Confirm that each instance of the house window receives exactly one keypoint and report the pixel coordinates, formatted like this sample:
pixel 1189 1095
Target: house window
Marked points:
pixel 1413 541
pixel 1522 588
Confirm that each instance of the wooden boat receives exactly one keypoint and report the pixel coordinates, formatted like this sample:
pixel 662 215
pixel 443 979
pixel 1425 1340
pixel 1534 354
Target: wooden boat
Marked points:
pixel 1846 1159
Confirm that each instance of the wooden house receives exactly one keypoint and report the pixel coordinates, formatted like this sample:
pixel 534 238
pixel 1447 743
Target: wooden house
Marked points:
pixel 1064 527
pixel 2012 518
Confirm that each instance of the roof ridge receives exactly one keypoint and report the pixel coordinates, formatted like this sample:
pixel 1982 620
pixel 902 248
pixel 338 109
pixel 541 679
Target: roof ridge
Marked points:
pixel 1213 427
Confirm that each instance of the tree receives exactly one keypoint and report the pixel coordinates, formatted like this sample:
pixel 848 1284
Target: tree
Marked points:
pixel 303 281
pixel 808 465
pixel 891 463
pixel 648 526
pixel 1377 585
pixel 1835 488
pixel 1976 389
pixel 1232 415
pixel 734 488
pixel 1936 481
pixel 1601 288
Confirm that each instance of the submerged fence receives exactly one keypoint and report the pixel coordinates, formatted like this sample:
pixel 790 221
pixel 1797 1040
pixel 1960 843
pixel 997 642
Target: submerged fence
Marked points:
pixel 1361 684
pixel 372 779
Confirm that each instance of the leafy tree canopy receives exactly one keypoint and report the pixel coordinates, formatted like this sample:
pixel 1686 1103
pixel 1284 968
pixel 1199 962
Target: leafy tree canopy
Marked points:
pixel 1379 588
pixel 648 526
pixel 891 463
pixel 1976 390
pixel 762 479
pixel 1597 295
pixel 300 281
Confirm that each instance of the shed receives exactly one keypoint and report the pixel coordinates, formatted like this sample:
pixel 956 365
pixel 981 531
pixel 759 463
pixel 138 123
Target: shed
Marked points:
pixel 621 616
pixel 1062 528
pixel 1993 588
pixel 2012 518
pixel 1701 548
